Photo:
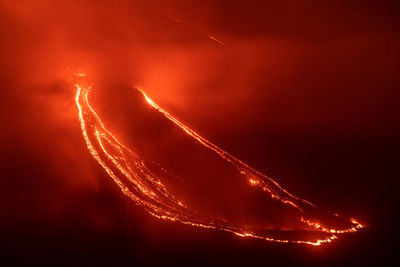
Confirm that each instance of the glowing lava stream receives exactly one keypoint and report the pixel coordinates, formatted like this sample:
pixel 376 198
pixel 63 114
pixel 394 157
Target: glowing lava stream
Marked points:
pixel 143 186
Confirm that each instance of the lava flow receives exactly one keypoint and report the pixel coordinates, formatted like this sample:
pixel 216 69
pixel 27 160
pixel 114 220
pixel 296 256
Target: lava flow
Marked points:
pixel 143 185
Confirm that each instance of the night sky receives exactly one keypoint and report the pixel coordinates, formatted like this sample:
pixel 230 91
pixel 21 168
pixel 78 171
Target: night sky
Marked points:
pixel 303 91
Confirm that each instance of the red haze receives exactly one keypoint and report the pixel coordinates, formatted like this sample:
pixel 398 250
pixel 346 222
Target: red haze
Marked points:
pixel 303 91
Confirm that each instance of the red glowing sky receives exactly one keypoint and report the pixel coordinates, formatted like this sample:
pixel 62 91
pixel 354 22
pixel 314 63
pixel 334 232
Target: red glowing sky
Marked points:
pixel 305 92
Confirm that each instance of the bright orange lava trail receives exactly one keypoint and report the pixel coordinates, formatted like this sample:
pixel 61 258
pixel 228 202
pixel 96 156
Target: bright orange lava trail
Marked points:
pixel 143 186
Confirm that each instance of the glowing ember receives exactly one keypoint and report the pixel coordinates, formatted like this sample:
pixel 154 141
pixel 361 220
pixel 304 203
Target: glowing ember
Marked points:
pixel 143 186
pixel 213 38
